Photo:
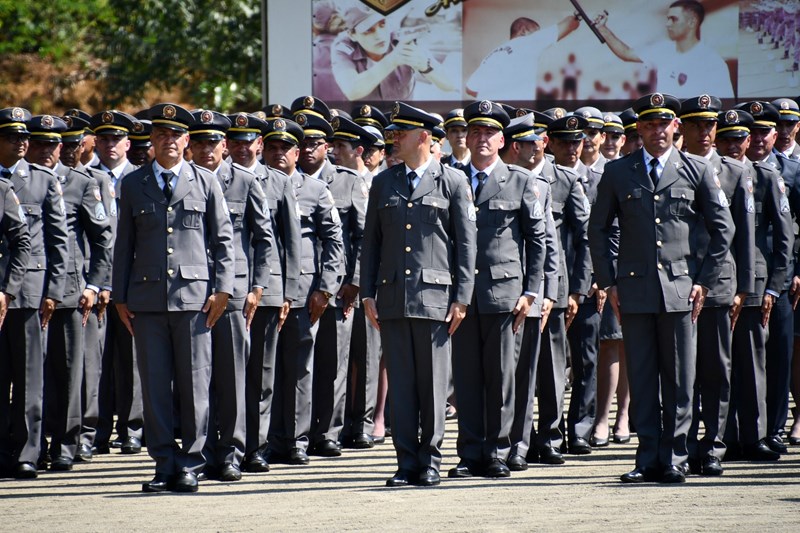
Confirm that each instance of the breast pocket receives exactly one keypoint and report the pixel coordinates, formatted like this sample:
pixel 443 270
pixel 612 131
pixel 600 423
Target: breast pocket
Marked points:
pixel 630 201
pixel 502 212
pixel 193 213
pixel 681 202
pixel 388 211
pixel 435 287
pixel 144 216
pixel 236 210
pixel 433 208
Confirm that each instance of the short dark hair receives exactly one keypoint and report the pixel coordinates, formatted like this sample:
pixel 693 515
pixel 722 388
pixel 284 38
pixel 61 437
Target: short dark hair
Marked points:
pixel 521 24
pixel 694 7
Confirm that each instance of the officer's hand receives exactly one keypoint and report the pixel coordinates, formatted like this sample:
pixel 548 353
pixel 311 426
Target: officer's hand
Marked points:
pixel 86 303
pixel 766 309
pixel 46 310
pixel 697 298
pixel 601 300
pixel 215 306
pixel 524 305
pixel 347 295
pixel 125 315
pixel 103 299
pixel 572 308
pixel 284 313
pixel 371 312
pixel 455 316
pixel 794 291
pixel 547 306
pixel 736 308
pixel 4 299
pixel 613 299
pixel 316 305
pixel 251 304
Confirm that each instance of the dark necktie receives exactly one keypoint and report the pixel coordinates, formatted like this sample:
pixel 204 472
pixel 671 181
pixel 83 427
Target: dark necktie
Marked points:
pixel 5 174
pixel 653 171
pixel 481 176
pixel 167 177
pixel 411 177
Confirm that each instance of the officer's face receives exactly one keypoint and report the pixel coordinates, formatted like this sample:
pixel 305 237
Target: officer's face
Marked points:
pixel 313 153
pixel 457 137
pixel 679 23
pixel 761 142
pixel 436 149
pixel 71 153
pixel 281 155
pixel 373 157
pixel 593 139
pixel 207 153
pixel 169 145
pixel 245 152
pixel 89 142
pixel 657 134
pixel 633 141
pixel 698 135
pixel 375 39
pixel 141 155
pixel 346 154
pixel 786 133
pixel 112 149
pixel 566 152
pixel 484 142
pixel 407 143
pixel 43 153
pixel 525 154
pixel 612 145
pixel 733 147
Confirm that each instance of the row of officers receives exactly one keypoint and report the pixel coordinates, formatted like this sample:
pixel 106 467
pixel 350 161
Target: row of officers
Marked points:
pixel 236 289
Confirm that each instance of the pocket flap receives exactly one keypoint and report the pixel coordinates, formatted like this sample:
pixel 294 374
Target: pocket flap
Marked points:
pixel 633 194
pixel 32 209
pixel 436 276
pixel 435 201
pixel 503 205
pixel 679 268
pixel 194 205
pixel 392 201
pixel 685 194
pixel 506 270
pixel 237 208
pixel 631 269
pixel 144 209
pixel 194 272
pixel 146 273
pixel 557 207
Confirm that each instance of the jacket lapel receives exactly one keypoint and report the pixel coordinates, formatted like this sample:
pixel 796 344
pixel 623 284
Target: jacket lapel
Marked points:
pixel 427 182
pixel 21 176
pixel 399 182
pixel 639 171
pixel 151 187
pixel 184 184
pixel 671 171
pixel 494 183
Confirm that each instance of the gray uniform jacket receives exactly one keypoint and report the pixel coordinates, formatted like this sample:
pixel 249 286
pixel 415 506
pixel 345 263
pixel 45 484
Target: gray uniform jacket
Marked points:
pixel 657 262
pixel 252 230
pixel 284 255
pixel 511 239
pixel 40 196
pixel 160 257
pixel 350 193
pixel 322 250
pixel 15 238
pixel 419 248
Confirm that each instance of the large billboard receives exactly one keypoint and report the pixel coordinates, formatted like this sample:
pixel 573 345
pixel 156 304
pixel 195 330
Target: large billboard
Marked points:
pixel 521 50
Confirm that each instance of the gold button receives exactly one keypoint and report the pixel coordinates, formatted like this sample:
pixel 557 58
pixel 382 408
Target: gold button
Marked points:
pixel 685 271
pixel 658 221
pixel 29 210
pixel 683 196
pixel 384 281
pixel 169 209
pixel 169 230
pixel 656 197
pixel 410 204
pixel 435 204
pixel 302 271
pixel 476 270
pixel 408 272
pixel 170 250
pixel 140 212
pixel 633 273
pixel 629 197
pixel 38 265
pixel 658 243
pixel 196 208
pixel 436 280
pixel 196 276
pixel 170 272
pixel 477 209
pixel 232 210
pixel 408 248
pixel 660 266
pixel 144 278
pixel 408 226
pixel 505 274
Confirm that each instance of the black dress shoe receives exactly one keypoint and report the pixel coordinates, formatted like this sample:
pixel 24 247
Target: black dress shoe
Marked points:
pixel 775 443
pixel 255 463
pixel 710 466
pixel 229 472
pixel 326 448
pixel 84 453
pixel 101 448
pixel 298 456
pixel 117 443
pixel 401 478
pixel 25 471
pixel 579 446
pixel 496 468
pixel 61 464
pixel 130 446
pixel 378 440
pixel 597 442
pixel 160 483
pixel 517 463
pixel 794 441
pixel 759 452
pixel 465 468
pixel 550 456
pixel 428 477
pixel 185 482
pixel 362 441
pixel 640 475
pixel 673 474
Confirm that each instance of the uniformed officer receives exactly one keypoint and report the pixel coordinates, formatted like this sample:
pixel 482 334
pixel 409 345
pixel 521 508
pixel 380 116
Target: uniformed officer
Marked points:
pixel 594 137
pixel 633 141
pixel 657 284
pixel 456 128
pixel 788 127
pixel 746 427
pixel 252 232
pixel 245 142
pixel 88 229
pixel 417 272
pixel 141 150
pixel 367 115
pixel 332 349
pixel 120 372
pixel 509 269
pixel 525 148
pixel 615 136
pixel 374 154
pixel 320 278
pixel 727 293
pixel 88 157
pixel 174 269
pixel 21 349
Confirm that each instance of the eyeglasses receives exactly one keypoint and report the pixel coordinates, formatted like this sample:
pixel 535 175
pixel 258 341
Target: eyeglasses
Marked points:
pixel 307 145
pixel 16 138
